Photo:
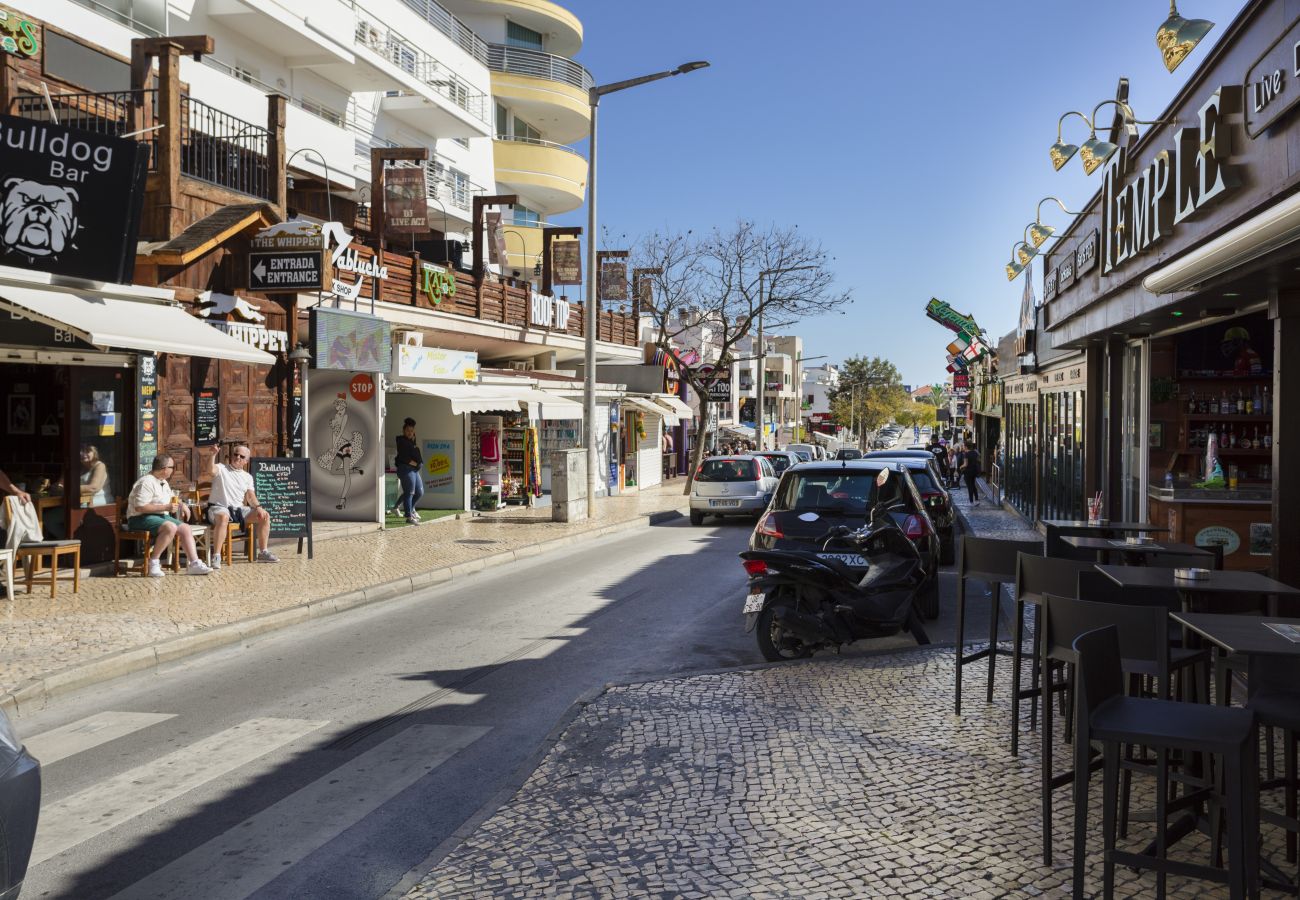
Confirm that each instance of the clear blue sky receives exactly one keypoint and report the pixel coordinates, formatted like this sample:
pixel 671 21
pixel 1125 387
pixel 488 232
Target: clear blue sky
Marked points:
pixel 910 137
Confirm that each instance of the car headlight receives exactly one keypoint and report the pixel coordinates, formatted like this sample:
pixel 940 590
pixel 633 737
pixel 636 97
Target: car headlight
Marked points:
pixel 8 737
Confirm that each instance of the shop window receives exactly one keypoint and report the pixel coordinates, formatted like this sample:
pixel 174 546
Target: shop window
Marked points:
pixel 522 36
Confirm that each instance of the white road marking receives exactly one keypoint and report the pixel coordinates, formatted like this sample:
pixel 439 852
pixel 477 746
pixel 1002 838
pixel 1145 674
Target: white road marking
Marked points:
pixel 253 853
pixel 68 822
pixel 76 737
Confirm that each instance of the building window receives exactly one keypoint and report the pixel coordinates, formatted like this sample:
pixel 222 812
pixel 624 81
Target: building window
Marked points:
pixel 247 72
pixel 459 183
pixel 520 36
pixel 527 217
pixel 463 142
pixel 525 132
pixel 316 108
pixel 503 121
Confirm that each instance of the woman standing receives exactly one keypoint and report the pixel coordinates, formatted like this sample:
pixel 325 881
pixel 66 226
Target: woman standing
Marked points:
pixel 94 478
pixel 409 464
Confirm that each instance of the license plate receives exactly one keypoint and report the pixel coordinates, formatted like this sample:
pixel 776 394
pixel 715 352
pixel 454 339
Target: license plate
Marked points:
pixel 724 503
pixel 849 559
pixel 754 603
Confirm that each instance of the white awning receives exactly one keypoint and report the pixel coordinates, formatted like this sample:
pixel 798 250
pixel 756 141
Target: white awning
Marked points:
pixel 653 408
pixel 142 324
pixel 553 406
pixel 468 398
pixel 675 406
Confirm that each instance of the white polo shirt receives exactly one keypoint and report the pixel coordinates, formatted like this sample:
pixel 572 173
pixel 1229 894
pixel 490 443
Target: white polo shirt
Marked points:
pixel 149 489
pixel 229 485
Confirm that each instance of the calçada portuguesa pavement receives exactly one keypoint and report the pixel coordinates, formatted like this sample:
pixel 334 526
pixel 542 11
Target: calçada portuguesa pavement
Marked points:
pixel 113 626
pixel 841 776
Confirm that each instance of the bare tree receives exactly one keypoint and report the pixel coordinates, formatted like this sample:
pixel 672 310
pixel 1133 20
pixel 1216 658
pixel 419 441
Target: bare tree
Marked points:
pixel 708 286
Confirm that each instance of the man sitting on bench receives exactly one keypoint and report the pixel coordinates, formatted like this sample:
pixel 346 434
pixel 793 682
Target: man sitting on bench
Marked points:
pixel 232 500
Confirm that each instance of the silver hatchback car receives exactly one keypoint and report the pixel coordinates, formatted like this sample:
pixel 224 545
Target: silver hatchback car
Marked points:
pixel 732 486
pixel 20 804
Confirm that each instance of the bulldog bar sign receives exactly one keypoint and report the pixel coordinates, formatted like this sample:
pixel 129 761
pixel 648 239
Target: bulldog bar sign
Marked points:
pixel 69 200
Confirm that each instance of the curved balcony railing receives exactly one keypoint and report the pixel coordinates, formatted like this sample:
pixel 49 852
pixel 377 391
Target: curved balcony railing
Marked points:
pixel 538 142
pixel 523 61
pixel 454 28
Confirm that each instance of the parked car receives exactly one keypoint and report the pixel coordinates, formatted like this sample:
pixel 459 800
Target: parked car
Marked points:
pixel 780 459
pixel 806 452
pixel 815 497
pixel 925 471
pixel 848 453
pixel 20 804
pixel 732 486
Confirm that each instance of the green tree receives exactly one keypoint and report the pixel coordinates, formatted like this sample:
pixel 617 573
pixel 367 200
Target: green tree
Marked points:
pixel 870 393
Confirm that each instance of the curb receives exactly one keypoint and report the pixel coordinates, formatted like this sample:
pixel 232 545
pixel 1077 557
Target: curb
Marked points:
pixel 36 692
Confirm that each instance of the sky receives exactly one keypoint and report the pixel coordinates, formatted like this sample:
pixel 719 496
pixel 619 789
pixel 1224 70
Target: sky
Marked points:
pixel 909 136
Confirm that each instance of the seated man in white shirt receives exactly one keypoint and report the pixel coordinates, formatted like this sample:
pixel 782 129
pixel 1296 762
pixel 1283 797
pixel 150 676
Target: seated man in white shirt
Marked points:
pixel 154 508
pixel 233 500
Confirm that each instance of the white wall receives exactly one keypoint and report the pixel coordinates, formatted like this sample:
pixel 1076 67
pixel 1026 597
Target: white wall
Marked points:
pixel 650 454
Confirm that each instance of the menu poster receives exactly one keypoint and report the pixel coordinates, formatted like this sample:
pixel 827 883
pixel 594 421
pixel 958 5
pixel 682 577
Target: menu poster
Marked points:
pixel 206 417
pixel 146 411
pixel 283 487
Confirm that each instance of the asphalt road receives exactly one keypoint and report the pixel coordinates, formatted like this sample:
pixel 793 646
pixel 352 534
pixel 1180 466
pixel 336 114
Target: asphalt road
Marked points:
pixel 329 760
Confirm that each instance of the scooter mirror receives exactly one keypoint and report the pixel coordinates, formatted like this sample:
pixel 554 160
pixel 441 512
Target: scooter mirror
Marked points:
pixel 882 478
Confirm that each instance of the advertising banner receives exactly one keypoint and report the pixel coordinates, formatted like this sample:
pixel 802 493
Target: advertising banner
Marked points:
pixel 69 200
pixel 343 440
pixel 566 262
pixel 613 281
pixel 406 211
pixel 440 467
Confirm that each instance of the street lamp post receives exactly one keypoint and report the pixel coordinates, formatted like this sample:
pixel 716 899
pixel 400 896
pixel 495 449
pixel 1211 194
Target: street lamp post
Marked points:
pixel 589 313
pixel 762 352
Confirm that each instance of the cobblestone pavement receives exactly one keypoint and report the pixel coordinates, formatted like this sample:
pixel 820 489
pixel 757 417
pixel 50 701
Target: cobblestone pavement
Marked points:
pixel 844 777
pixel 991 520
pixel 109 615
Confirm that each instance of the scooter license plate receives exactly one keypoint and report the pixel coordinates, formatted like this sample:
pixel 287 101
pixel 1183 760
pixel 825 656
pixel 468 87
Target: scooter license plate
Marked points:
pixel 849 559
pixel 754 603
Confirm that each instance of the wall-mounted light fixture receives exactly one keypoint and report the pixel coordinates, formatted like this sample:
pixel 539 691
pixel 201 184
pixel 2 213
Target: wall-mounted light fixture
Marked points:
pixel 1038 232
pixel 1178 37
pixel 1094 152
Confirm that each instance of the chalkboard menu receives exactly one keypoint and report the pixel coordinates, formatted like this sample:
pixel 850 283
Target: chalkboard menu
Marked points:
pixel 206 417
pixel 283 487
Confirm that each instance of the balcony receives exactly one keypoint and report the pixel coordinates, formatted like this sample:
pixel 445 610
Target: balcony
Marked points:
pixel 562 28
pixel 552 176
pixel 543 88
pixel 304 32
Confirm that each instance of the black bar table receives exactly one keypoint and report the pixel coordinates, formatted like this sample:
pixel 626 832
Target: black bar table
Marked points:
pixel 1103 528
pixel 1105 547
pixel 1241 633
pixel 1227 581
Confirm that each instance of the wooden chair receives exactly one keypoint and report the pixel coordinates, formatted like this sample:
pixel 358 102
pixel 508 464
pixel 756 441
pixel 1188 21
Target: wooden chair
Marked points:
pixel 121 533
pixel 7 559
pixel 246 533
pixel 32 553
pixel 198 528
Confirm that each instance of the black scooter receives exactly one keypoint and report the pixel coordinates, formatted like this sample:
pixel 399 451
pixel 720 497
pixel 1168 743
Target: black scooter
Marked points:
pixel 801 603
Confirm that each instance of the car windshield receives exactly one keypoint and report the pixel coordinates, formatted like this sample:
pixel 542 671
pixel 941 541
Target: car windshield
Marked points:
pixel 829 491
pixel 780 462
pixel 924 484
pixel 726 470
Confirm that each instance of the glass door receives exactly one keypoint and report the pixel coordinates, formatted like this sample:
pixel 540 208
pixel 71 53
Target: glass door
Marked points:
pixel 1135 378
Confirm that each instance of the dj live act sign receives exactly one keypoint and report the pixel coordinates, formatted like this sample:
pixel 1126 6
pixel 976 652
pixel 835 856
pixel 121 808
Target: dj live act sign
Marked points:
pixel 69 200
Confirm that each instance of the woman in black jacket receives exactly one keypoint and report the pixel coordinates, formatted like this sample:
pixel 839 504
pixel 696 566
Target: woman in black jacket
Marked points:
pixel 972 468
pixel 409 464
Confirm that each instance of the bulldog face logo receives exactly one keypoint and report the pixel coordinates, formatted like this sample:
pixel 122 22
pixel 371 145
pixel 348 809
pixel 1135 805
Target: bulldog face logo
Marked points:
pixel 38 219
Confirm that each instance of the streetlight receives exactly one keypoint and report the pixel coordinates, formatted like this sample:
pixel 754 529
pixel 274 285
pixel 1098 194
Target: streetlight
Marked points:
pixel 589 314
pixel 762 372
pixel 329 206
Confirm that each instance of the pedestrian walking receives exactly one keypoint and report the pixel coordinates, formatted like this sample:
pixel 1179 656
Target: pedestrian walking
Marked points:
pixel 410 475
pixel 971 468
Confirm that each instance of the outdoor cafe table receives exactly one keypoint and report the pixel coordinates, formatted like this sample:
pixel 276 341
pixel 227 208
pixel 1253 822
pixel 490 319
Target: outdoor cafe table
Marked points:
pixel 1105 547
pixel 1057 529
pixel 1241 633
pixel 1218 582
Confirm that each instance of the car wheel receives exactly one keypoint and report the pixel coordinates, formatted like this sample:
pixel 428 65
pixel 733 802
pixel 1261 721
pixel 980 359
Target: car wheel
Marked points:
pixel 927 600
pixel 697 517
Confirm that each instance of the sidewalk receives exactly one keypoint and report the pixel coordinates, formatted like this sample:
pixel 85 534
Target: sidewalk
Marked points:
pixel 113 626
pixel 837 777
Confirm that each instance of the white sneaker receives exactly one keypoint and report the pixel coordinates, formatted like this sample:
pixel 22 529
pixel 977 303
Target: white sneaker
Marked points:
pixel 267 556
pixel 413 520
pixel 197 568
pixel 155 569
pixel 216 562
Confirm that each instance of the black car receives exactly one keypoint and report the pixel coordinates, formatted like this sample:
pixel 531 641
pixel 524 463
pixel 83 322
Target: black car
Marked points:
pixel 848 453
pixel 813 498
pixel 928 477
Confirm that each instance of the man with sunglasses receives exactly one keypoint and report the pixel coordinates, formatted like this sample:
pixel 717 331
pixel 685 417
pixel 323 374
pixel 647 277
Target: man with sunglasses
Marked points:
pixel 155 508
pixel 233 500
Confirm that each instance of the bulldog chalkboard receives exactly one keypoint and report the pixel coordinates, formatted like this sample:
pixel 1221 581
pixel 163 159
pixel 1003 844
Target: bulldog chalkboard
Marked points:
pixel 70 200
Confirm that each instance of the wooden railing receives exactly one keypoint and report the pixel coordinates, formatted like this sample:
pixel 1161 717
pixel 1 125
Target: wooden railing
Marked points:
pixel 507 304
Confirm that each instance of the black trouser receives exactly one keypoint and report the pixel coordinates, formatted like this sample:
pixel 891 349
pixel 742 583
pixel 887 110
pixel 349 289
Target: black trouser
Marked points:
pixel 971 490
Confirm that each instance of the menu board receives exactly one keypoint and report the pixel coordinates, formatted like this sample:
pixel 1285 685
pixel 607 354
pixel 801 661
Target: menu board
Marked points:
pixel 283 487
pixel 206 417
pixel 146 423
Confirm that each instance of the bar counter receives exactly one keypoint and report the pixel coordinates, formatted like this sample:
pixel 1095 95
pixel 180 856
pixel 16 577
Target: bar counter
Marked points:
pixel 1240 520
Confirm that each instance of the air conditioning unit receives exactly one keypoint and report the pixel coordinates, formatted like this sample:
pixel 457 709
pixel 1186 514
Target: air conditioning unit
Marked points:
pixel 410 338
pixel 522 365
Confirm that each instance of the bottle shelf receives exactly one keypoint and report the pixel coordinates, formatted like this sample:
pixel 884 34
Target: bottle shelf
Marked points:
pixel 1225 417
pixel 1227 376
pixel 1226 451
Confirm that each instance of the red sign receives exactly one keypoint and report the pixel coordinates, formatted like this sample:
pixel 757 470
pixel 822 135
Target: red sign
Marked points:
pixel 961 382
pixel 362 388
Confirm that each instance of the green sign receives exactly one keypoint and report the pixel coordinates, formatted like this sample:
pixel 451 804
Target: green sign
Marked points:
pixel 437 283
pixel 948 317
pixel 18 36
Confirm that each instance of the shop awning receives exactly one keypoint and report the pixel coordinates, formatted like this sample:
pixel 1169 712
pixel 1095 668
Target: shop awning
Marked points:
pixel 743 431
pixel 651 407
pixel 468 398
pixel 674 405
pixel 129 324
pixel 553 406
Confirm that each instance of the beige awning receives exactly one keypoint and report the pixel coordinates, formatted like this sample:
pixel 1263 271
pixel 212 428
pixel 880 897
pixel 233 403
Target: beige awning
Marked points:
pixel 646 405
pixel 133 324
pixel 467 398
pixel 675 406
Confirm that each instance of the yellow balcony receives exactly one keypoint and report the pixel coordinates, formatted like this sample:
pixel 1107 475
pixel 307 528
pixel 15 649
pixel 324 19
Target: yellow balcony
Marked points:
pixel 547 90
pixel 553 176
pixel 562 28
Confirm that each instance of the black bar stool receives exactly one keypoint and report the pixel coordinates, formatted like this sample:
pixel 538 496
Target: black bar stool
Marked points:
pixel 992 561
pixel 1107 717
